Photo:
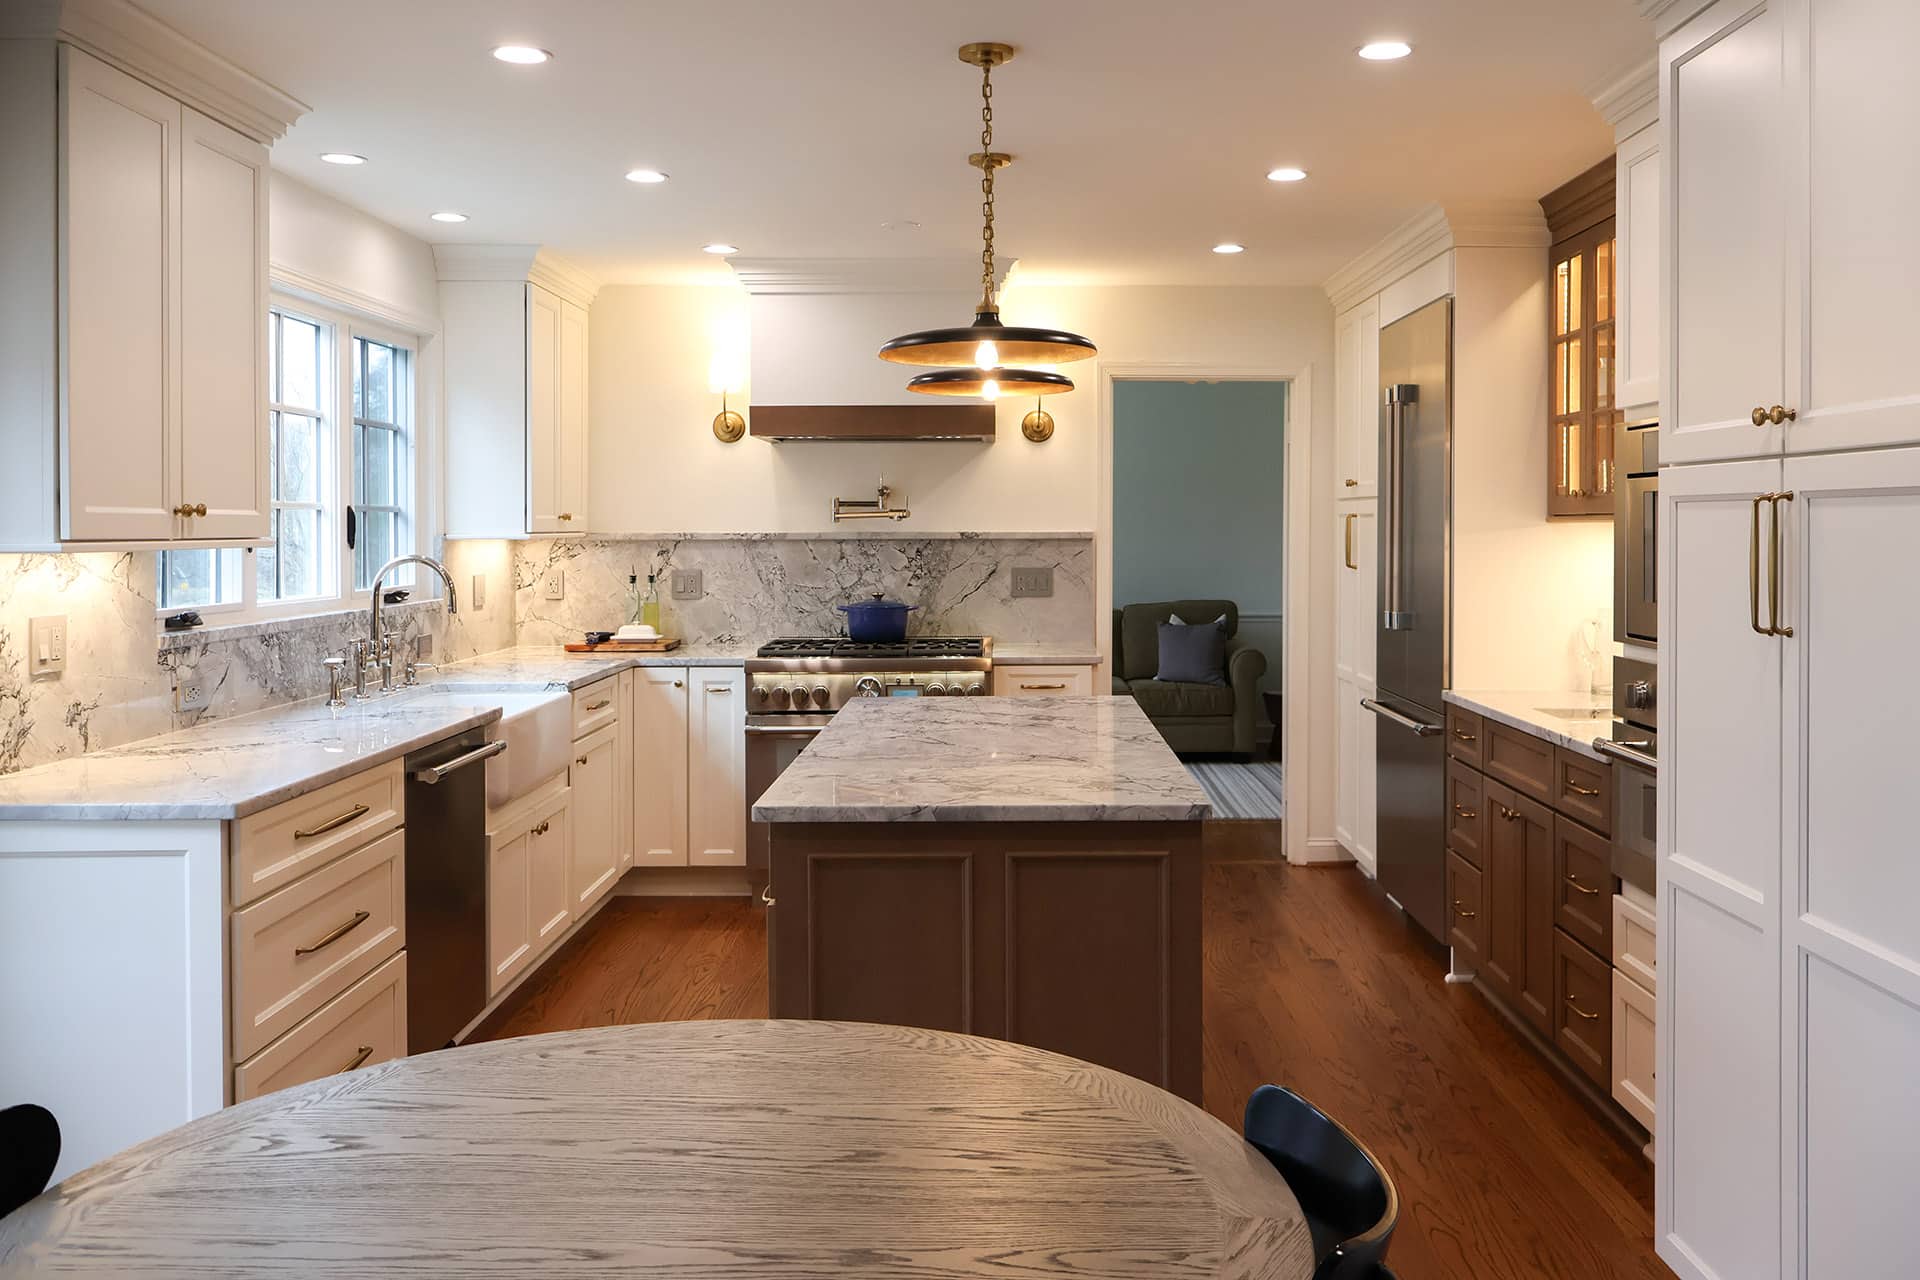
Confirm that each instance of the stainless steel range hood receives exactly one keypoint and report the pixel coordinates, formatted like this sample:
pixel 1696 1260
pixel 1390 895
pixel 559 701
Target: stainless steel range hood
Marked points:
pixel 816 326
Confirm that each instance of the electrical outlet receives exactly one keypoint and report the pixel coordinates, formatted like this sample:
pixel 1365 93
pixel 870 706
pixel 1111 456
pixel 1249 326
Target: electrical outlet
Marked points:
pixel 423 646
pixel 687 584
pixel 555 586
pixel 478 592
pixel 47 645
pixel 1032 583
pixel 195 691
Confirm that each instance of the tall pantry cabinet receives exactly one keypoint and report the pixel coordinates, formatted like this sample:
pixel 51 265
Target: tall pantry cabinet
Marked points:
pixel 1356 507
pixel 1789 1001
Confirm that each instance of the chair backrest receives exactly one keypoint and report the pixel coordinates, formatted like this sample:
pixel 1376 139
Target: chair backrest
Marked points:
pixel 1349 1201
pixel 29 1148
pixel 1139 654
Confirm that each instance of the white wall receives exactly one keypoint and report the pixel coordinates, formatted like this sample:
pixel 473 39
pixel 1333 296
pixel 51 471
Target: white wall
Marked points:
pixel 1523 585
pixel 360 259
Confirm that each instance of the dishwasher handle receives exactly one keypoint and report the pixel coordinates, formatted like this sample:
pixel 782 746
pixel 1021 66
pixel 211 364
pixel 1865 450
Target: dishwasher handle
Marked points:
pixel 1420 728
pixel 439 772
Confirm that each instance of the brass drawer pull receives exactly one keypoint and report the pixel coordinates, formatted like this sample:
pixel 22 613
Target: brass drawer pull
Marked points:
pixel 1511 815
pixel 1579 790
pixel 542 829
pixel 1579 1012
pixel 333 824
pixel 366 1051
pixel 1349 534
pixel 601 705
pixel 335 934
pixel 718 688
pixel 579 759
pixel 1575 882
pixel 1043 686
pixel 1466 737
pixel 1459 909
pixel 1468 814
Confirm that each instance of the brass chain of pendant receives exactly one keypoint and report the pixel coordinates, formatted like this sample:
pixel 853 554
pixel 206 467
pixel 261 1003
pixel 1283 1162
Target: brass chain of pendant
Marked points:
pixel 986 184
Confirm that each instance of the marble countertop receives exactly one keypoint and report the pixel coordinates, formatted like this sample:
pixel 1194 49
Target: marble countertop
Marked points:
pixel 1028 653
pixel 1535 713
pixel 552 667
pixel 986 760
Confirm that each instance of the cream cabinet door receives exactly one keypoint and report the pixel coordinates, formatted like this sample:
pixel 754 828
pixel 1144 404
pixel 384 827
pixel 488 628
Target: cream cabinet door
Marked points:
pixel 1636 247
pixel 1859 381
pixel 1724 110
pixel 549 876
pixel 1633 1040
pixel 1357 390
pixel 223 331
pixel 596 826
pixel 570 444
pixel 544 494
pixel 119 305
pixel 1346 747
pixel 509 912
pixel 660 733
pixel 717 768
pixel 1040 682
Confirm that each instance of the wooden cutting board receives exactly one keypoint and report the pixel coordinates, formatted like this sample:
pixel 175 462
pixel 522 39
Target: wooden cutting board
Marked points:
pixel 661 645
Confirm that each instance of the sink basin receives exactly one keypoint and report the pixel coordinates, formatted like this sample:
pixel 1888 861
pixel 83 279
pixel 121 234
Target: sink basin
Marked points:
pixel 537 727
pixel 1576 713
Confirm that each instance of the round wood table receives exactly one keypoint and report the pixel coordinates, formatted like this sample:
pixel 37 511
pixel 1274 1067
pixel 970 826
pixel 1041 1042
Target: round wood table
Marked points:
pixel 741 1149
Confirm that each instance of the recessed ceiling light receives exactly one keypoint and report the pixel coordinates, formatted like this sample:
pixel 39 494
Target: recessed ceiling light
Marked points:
pixel 1229 247
pixel 1385 50
pixel 717 247
pixel 521 55
pixel 646 177
pixel 1286 173
pixel 342 157
pixel 449 216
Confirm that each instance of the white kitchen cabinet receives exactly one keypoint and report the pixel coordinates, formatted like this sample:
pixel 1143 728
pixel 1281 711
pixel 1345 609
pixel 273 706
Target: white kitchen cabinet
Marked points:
pixel 549 868
pixel 516 335
pixel 660 741
pixel 623 772
pixel 1356 343
pixel 1636 223
pixel 140 396
pixel 1355 817
pixel 595 818
pixel 1789 973
pixel 529 876
pixel 1058 681
pixel 717 767
pixel 1633 1049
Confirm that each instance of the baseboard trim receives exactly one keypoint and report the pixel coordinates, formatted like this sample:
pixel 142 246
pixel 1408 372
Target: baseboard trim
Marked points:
pixel 1324 849
pixel 685 882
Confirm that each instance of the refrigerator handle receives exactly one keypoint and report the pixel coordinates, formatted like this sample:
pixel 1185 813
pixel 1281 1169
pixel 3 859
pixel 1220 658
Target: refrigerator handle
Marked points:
pixel 1420 729
pixel 1398 396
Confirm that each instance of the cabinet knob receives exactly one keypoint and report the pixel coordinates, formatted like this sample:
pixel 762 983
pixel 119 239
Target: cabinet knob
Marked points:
pixel 1776 415
pixel 566 515
pixel 199 508
pixel 1353 484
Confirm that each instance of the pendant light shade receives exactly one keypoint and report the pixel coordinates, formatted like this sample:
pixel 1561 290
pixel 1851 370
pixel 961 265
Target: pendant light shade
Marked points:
pixel 981 359
pixel 990 384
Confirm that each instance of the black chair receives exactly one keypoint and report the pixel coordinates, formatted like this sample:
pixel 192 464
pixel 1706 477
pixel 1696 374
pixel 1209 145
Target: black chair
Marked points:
pixel 30 1139
pixel 1349 1201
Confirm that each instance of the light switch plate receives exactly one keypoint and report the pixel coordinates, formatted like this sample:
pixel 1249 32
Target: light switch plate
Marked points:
pixel 478 592
pixel 1032 583
pixel 687 584
pixel 47 645
pixel 555 586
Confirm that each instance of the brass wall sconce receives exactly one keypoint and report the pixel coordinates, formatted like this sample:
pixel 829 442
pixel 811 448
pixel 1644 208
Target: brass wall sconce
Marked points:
pixel 728 426
pixel 1037 426
pixel 723 377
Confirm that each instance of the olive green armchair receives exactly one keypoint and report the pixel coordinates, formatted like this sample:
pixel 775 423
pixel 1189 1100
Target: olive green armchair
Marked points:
pixel 1193 718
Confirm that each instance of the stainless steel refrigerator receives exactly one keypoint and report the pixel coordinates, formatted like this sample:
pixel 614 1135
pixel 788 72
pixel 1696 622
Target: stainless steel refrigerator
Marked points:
pixel 1416 408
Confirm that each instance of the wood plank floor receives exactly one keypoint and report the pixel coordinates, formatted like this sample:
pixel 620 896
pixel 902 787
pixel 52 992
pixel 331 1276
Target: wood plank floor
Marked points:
pixel 1311 980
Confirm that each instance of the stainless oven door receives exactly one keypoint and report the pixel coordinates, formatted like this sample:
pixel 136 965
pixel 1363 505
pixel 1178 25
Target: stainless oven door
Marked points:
pixel 1639 555
pixel 1635 817
pixel 772 744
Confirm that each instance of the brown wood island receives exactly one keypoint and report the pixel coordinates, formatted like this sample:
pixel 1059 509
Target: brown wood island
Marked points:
pixel 1021 868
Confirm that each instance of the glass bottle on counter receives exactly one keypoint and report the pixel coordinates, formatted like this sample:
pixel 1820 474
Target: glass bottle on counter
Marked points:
pixel 650 605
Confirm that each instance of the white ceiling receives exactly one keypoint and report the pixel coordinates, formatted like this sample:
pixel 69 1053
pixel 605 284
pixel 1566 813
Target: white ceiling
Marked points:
pixel 1142 129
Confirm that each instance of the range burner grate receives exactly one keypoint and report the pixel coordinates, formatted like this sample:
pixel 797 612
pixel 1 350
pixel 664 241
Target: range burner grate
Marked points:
pixel 929 647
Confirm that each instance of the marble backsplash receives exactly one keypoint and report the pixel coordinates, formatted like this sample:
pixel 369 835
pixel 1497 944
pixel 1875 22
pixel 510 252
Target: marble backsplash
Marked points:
pixel 760 586
pixel 121 675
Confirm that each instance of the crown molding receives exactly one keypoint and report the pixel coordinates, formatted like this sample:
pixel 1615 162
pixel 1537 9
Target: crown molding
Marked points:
pixel 1667 16
pixel 312 288
pixel 864 275
pixel 144 47
pixel 521 263
pixel 1630 101
pixel 1502 224
pixel 1425 235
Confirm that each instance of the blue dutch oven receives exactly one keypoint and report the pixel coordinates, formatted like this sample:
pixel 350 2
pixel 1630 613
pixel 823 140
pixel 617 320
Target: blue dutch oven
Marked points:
pixel 877 621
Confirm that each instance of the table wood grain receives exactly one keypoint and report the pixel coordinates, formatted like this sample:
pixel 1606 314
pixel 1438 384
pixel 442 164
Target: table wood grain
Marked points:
pixel 739 1149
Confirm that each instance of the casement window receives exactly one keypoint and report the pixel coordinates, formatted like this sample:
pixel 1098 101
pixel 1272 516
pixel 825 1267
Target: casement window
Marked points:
pixel 340 424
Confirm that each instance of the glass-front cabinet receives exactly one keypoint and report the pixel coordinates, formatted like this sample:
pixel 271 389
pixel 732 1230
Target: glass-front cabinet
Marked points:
pixel 1580 345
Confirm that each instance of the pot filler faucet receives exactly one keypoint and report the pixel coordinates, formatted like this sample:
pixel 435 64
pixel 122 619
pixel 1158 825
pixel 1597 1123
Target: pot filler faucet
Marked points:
pixel 376 651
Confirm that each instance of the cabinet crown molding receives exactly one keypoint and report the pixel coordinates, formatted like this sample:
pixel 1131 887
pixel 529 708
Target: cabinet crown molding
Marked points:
pixel 141 45
pixel 1667 16
pixel 1504 224
pixel 863 275
pixel 1630 101
pixel 516 262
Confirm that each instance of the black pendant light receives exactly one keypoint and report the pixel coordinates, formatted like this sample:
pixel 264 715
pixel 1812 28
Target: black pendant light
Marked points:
pixel 979 359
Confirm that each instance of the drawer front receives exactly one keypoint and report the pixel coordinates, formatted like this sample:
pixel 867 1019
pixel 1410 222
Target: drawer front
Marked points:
pixel 595 707
pixel 1518 759
pixel 365 1024
pixel 277 846
pixel 1466 811
pixel 1583 885
pixel 1466 737
pixel 1039 682
pixel 301 946
pixel 1583 789
pixel 1466 912
pixel 1583 1009
pixel 1636 942
pixel 1633 1048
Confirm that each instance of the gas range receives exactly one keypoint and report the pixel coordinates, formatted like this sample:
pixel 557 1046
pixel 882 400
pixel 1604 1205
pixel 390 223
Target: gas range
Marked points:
pixel 800 675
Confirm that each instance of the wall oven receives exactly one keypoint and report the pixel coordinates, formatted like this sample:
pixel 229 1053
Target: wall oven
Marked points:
pixel 1633 744
pixel 1636 552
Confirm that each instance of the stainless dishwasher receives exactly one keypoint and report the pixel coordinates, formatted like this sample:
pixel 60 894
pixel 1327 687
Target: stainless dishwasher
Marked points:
pixel 446 887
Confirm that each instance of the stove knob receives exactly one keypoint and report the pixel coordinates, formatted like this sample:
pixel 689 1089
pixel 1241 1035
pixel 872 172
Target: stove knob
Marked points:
pixel 868 687
pixel 760 695
pixel 975 689
pixel 934 689
pixel 799 697
pixel 780 696
pixel 821 697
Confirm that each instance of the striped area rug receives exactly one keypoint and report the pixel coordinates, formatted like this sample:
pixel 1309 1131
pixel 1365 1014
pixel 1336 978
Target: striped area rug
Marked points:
pixel 1241 791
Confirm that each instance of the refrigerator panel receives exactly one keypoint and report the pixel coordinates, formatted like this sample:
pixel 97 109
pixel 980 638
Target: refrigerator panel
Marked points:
pixel 1415 407
pixel 1410 843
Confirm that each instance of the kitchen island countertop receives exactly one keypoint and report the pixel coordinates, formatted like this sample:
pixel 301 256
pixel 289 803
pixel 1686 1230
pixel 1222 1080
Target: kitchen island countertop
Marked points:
pixel 986 760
